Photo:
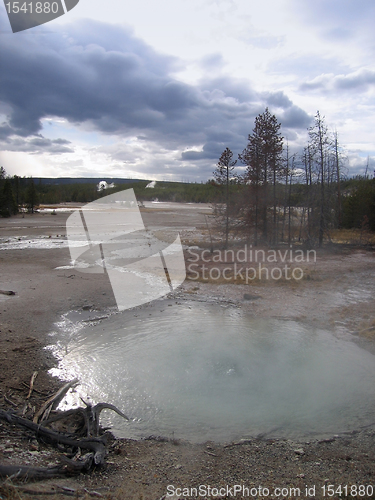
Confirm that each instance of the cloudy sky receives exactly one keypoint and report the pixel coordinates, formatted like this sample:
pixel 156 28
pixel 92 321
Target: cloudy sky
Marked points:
pixel 158 89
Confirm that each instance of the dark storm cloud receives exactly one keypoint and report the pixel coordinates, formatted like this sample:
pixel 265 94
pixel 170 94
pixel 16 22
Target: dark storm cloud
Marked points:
pixel 101 76
pixel 5 131
pixel 278 99
pixel 360 80
pixel 290 115
pixel 76 76
pixel 295 118
pixel 36 145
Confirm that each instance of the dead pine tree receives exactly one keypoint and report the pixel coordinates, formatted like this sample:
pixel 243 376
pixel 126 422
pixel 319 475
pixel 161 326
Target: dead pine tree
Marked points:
pixel 286 189
pixel 338 178
pixel 320 145
pixel 307 163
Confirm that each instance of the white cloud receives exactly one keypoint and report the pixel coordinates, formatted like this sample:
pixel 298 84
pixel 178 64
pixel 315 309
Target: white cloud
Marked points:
pixel 164 92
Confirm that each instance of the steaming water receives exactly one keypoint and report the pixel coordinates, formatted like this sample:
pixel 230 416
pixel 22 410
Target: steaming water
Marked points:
pixel 203 372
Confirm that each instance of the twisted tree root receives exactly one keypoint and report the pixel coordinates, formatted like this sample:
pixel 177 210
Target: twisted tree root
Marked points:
pixel 90 427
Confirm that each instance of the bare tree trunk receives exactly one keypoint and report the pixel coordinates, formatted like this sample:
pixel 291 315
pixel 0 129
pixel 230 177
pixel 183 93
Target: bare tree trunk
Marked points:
pixel 337 159
pixel 256 215
pixel 289 204
pixel 301 224
pixel 322 179
pixel 227 210
pixel 274 208
pixel 308 182
pixel 265 206
pixel 286 191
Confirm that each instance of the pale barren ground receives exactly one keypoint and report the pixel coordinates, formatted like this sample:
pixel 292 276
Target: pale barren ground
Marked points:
pixel 337 292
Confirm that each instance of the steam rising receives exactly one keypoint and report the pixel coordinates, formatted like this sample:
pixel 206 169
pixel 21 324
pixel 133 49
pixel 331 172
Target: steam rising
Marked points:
pixel 204 372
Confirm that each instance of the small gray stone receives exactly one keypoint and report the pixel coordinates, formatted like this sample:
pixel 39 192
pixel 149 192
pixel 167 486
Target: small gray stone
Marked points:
pixel 247 296
pixel 299 451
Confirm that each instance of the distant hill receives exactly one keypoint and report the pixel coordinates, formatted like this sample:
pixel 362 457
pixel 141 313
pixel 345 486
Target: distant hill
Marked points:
pixel 82 180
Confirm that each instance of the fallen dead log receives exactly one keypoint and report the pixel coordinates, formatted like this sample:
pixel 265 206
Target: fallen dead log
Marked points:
pixel 53 402
pixel 56 490
pixel 94 416
pixel 90 416
pixel 32 380
pixel 28 472
pixel 95 444
pixel 83 464
pixel 7 292
pixel 81 431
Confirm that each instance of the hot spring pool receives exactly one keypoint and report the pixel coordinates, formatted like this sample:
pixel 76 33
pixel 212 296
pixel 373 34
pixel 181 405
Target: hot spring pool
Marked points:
pixel 203 372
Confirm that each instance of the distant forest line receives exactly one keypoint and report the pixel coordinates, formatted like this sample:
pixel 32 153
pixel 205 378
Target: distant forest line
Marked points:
pixel 358 194
pixel 276 197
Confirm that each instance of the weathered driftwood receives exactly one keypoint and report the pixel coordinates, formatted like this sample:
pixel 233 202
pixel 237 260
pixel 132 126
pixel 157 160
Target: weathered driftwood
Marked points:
pixel 53 402
pixel 90 416
pixel 56 490
pixel 94 416
pixel 9 401
pixel 28 472
pixel 95 444
pixel 85 436
pixel 67 466
pixel 32 380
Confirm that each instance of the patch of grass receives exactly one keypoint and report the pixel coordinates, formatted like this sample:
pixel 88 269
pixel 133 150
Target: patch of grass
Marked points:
pixel 367 329
pixel 9 492
pixel 352 237
pixel 255 278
